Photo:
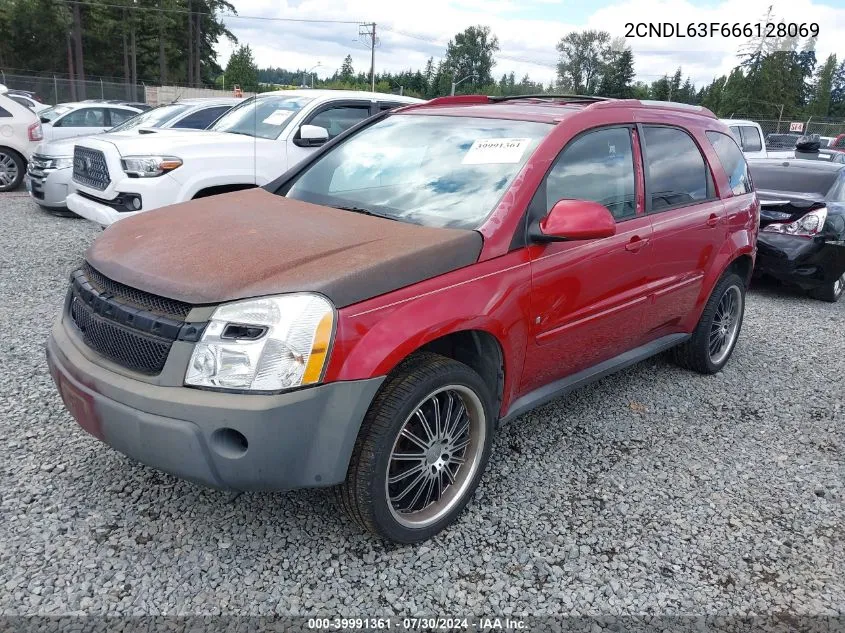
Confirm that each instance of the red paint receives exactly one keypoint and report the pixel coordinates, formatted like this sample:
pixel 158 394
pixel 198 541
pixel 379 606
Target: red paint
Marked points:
pixel 560 307
pixel 578 220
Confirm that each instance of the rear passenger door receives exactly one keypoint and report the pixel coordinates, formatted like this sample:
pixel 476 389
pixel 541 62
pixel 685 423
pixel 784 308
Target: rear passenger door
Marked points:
pixel 688 221
pixel 588 296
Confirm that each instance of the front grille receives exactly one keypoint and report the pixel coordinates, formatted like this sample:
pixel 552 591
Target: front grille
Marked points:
pixel 133 350
pixel 89 168
pixel 116 321
pixel 163 306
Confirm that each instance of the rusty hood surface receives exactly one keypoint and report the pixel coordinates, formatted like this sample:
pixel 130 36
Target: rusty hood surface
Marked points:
pixel 252 243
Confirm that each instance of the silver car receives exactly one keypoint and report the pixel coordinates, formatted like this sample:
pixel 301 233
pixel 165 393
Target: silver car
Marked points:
pixel 48 177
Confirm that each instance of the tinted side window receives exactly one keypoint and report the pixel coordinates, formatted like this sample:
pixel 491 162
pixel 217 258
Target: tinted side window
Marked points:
pixel 676 173
pixel 201 119
pixel 84 117
pixel 4 112
pixel 751 141
pixel 597 166
pixel 733 162
pixel 340 119
pixel 119 116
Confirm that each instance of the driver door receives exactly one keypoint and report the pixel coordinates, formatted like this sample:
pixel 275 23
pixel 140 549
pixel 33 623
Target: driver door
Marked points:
pixel 589 297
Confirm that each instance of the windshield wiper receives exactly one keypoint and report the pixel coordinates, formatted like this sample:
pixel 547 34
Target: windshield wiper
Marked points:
pixel 363 211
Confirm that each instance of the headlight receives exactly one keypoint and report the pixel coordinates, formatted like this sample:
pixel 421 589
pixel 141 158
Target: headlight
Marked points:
pixel 265 344
pixel 62 162
pixel 808 225
pixel 149 166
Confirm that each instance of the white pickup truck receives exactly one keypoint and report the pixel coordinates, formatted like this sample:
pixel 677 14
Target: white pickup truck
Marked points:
pixel 749 137
pixel 116 176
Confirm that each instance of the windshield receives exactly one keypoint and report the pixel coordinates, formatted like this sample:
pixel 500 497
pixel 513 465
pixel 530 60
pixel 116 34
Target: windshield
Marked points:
pixel 51 114
pixel 431 170
pixel 264 117
pixel 157 117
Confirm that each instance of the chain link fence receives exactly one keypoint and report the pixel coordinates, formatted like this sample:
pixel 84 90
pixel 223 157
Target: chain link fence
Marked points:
pixel 782 133
pixel 53 89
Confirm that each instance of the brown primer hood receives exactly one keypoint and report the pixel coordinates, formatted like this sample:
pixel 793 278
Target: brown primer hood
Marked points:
pixel 252 243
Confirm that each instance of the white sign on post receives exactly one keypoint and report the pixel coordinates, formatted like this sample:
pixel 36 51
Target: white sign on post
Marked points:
pixel 796 126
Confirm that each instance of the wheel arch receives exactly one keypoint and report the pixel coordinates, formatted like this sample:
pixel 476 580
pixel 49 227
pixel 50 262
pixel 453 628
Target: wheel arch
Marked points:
pixel 214 190
pixel 480 350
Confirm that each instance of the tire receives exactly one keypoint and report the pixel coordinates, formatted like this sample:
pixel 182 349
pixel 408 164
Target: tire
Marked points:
pixel 418 383
pixel 831 292
pixel 698 353
pixel 12 168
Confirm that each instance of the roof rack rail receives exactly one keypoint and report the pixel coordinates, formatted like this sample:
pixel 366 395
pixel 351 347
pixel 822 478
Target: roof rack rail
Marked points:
pixel 669 105
pixel 568 97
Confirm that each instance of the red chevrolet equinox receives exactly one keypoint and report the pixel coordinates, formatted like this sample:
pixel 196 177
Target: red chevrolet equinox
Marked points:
pixel 370 318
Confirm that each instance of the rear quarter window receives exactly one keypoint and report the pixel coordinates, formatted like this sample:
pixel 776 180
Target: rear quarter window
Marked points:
pixel 732 161
pixel 751 141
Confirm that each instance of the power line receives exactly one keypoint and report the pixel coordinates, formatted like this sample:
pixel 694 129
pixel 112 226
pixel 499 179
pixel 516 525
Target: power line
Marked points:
pixel 222 15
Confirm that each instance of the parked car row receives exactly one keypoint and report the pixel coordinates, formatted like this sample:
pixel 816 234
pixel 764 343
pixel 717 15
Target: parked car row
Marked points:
pixel 405 276
pixel 119 175
pixel 50 167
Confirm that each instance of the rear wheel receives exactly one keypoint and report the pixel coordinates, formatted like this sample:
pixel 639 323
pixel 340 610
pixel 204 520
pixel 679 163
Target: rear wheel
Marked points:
pixel 716 334
pixel 831 292
pixel 421 450
pixel 12 167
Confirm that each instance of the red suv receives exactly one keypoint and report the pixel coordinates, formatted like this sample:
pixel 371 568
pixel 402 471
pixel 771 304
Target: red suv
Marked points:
pixel 367 320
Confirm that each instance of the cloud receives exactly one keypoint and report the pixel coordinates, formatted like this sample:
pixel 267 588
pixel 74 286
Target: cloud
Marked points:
pixel 410 33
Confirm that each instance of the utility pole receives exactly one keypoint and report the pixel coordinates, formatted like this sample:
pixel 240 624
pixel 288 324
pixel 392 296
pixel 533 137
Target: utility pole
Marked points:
pixel 369 31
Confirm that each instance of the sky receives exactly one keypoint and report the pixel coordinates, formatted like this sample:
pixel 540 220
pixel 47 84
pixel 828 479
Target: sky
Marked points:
pixel 528 30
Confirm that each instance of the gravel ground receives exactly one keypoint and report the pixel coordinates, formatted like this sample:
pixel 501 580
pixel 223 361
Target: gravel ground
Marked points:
pixel 655 491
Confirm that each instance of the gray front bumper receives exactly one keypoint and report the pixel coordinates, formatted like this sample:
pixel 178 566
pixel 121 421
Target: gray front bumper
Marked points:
pixel 49 188
pixel 298 439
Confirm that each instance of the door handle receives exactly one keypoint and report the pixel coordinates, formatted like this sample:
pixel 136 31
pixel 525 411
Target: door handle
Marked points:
pixel 713 220
pixel 636 243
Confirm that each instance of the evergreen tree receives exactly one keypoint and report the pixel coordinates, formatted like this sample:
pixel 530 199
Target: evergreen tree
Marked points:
pixel 241 70
pixel 822 91
pixel 347 72
pixel 618 75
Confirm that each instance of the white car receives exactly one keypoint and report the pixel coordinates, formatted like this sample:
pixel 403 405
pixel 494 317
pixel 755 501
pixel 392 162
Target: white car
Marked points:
pixel 116 176
pixel 68 120
pixel 749 137
pixel 20 132
pixel 28 102
pixel 49 173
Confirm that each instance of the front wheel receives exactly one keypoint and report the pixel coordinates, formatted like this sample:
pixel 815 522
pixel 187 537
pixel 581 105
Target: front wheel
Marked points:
pixel 422 448
pixel 831 292
pixel 714 338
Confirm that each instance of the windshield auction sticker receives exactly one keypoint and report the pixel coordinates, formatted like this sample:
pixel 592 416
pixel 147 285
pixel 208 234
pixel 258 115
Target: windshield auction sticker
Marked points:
pixel 487 151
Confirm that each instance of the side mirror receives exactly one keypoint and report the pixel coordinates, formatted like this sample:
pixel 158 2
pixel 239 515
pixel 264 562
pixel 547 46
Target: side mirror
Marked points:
pixel 311 136
pixel 574 220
